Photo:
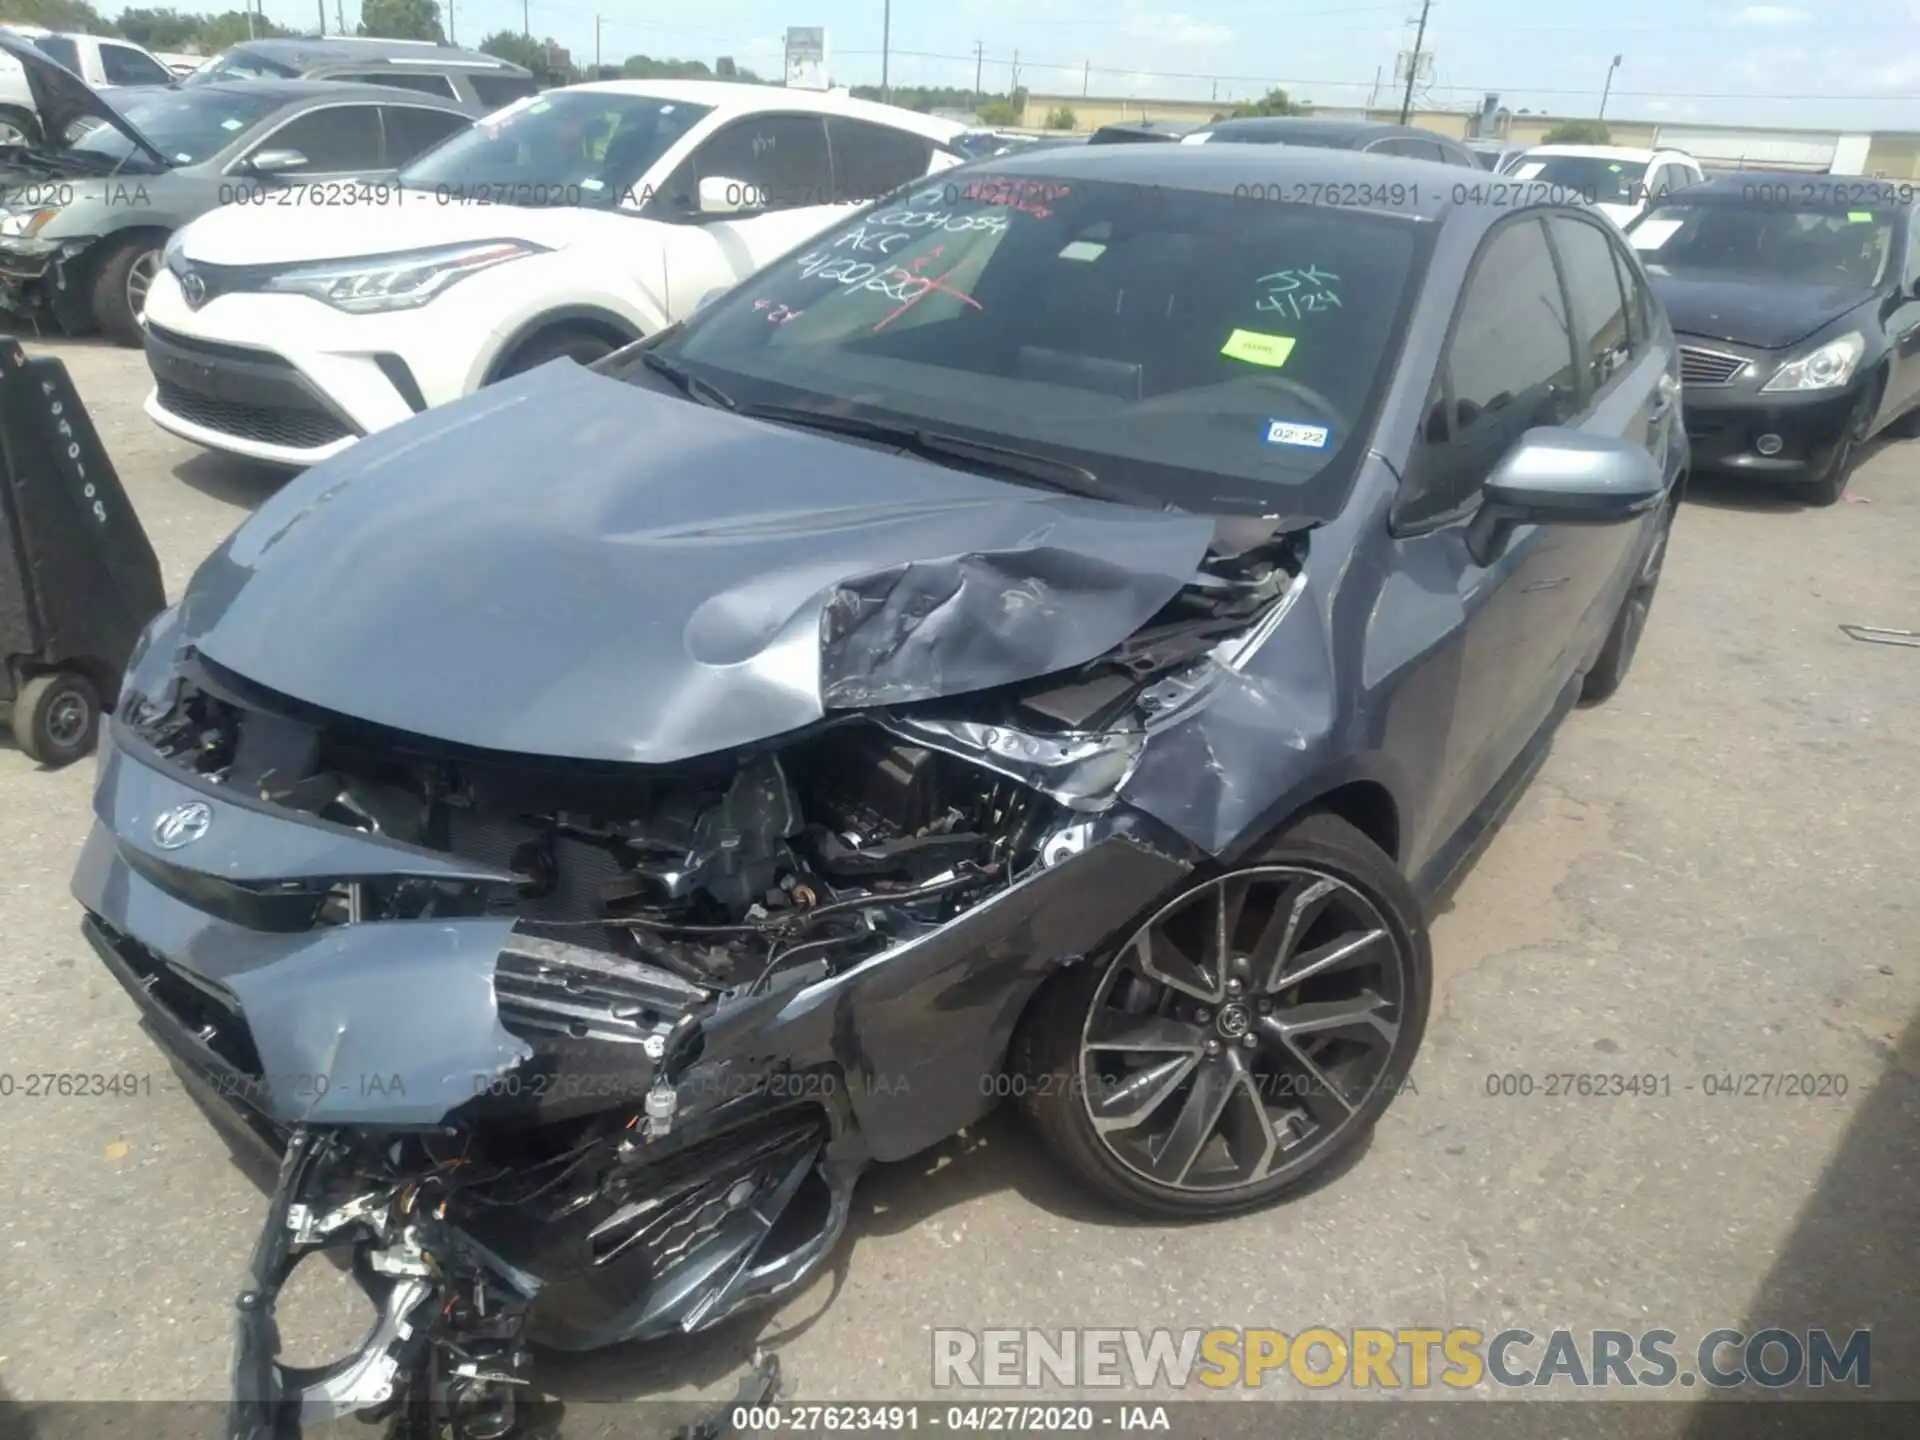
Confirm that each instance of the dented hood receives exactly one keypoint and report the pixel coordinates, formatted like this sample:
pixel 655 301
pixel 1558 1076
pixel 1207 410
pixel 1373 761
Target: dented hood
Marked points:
pixel 570 566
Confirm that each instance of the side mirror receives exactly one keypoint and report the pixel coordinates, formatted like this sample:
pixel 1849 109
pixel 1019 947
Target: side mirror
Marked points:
pixel 275 162
pixel 1556 476
pixel 720 195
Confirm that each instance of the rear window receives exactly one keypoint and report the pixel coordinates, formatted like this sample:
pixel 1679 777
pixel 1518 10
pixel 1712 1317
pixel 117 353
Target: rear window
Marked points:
pixel 61 49
pixel 240 65
pixel 494 90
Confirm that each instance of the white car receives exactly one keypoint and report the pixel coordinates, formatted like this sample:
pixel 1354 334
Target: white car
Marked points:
pixel 566 224
pixel 103 63
pixel 1616 180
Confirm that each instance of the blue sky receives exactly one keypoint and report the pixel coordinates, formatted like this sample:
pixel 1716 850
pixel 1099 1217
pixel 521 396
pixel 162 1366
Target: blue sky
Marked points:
pixel 1837 63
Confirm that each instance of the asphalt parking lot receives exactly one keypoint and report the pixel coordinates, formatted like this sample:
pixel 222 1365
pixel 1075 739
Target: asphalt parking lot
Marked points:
pixel 1717 874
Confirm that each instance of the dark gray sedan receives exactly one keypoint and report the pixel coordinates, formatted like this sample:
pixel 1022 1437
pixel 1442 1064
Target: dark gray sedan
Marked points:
pixel 1055 635
pixel 83 219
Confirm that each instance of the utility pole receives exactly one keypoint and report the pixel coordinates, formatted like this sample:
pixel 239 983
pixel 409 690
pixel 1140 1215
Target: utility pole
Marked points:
pixel 250 19
pixel 1413 61
pixel 1374 93
pixel 526 25
pixel 323 15
pixel 450 36
pixel 340 16
pixel 979 50
pixel 1086 79
pixel 1013 81
pixel 596 47
pixel 1609 86
pixel 886 44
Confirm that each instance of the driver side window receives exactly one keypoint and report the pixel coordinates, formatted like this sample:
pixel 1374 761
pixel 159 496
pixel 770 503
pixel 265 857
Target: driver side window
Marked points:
pixel 1508 366
pixel 337 139
pixel 781 158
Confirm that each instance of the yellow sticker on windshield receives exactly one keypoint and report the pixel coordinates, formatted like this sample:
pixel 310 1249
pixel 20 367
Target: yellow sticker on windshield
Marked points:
pixel 1258 349
pixel 1859 217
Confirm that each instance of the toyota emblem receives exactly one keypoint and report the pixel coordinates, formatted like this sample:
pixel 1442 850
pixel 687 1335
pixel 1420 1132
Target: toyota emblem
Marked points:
pixel 182 825
pixel 193 289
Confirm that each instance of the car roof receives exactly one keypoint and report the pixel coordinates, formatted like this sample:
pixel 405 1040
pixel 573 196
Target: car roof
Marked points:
pixel 288 92
pixel 311 52
pixel 1230 169
pixel 1596 152
pixel 1336 134
pixel 744 97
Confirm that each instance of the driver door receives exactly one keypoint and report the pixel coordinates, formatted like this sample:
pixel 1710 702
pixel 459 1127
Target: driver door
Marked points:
pixel 772 175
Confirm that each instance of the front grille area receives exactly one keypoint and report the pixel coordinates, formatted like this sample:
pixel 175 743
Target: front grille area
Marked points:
pixel 211 350
pixel 263 424
pixel 1708 367
pixel 198 1020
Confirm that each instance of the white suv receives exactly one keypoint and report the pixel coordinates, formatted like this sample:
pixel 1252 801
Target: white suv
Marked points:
pixel 566 224
pixel 104 64
pixel 1616 180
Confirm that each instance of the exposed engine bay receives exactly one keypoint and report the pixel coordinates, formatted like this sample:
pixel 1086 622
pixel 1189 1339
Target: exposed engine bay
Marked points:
pixel 571 1052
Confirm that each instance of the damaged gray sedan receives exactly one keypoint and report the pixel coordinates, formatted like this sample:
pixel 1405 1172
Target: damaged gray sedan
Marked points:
pixel 1055 636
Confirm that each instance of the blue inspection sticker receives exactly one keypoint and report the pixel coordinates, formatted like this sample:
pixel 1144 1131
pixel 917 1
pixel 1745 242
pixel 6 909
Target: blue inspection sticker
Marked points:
pixel 1292 432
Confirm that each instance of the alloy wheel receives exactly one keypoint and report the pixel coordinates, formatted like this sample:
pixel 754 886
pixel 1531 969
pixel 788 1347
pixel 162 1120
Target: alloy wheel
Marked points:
pixel 67 720
pixel 140 275
pixel 1243 1028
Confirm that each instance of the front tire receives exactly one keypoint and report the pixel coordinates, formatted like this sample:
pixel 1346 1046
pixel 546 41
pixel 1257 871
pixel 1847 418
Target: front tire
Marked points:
pixel 579 346
pixel 1243 1038
pixel 1832 483
pixel 120 287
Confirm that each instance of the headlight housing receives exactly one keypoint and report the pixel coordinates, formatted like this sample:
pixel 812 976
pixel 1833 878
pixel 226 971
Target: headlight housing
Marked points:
pixel 396 282
pixel 25 224
pixel 1827 368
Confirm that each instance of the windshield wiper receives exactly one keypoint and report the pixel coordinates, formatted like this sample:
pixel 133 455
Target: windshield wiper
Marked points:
pixel 1043 470
pixel 691 385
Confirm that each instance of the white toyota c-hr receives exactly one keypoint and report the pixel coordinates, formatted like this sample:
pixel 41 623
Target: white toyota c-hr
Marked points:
pixel 566 224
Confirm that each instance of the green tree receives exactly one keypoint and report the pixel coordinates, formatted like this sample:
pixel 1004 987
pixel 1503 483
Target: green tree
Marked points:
pixel 160 29
pixel 645 67
pixel 1061 117
pixel 1578 132
pixel 401 19
pixel 74 15
pixel 1274 102
pixel 217 32
pixel 516 49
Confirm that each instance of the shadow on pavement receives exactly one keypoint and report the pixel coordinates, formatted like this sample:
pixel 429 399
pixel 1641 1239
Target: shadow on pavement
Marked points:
pixel 230 479
pixel 1851 1263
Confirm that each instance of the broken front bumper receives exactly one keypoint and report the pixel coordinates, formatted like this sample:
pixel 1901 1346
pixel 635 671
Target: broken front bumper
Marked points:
pixel 316 1039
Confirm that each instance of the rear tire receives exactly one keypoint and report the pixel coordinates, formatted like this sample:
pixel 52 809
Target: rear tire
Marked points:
pixel 56 718
pixel 580 346
pixel 120 287
pixel 1275 1059
pixel 1630 622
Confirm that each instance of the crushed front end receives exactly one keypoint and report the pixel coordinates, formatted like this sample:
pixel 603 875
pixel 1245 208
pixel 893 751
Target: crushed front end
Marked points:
pixel 577 1054
pixel 587 1041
